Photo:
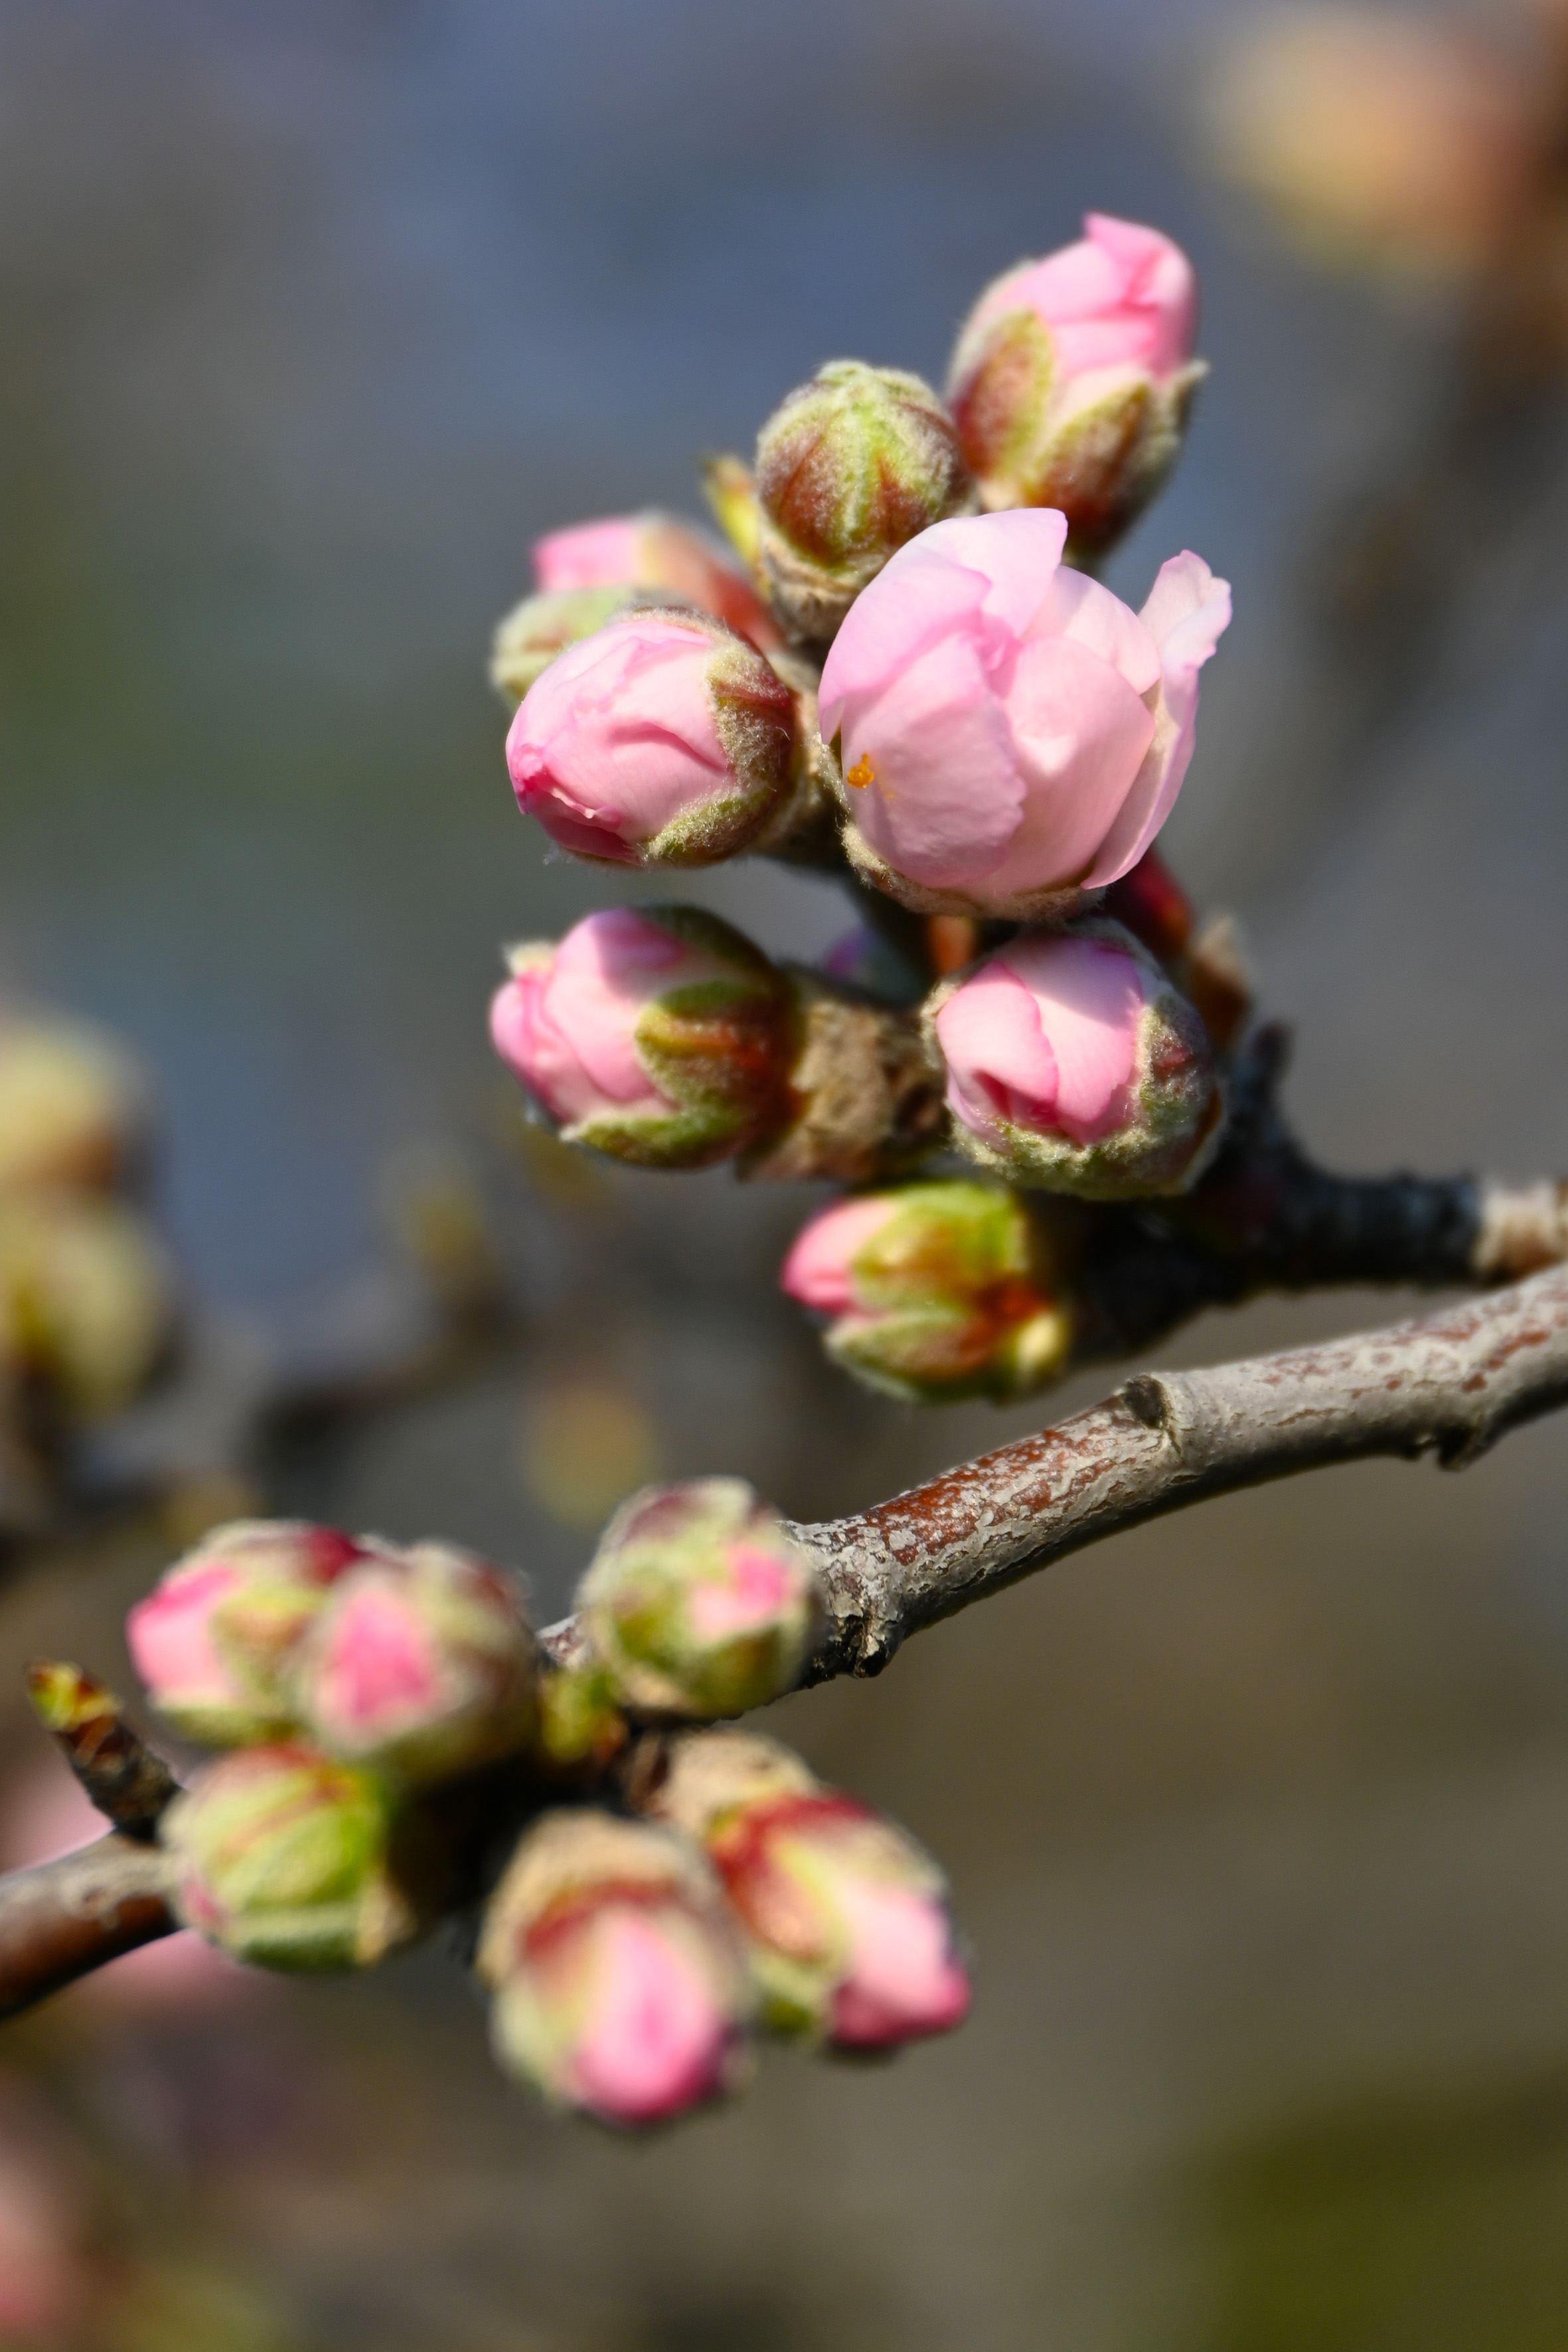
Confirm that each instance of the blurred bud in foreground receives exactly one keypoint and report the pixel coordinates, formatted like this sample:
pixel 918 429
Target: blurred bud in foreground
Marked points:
pixel 846 1918
pixel 87 1305
pixel 580 1717
pixel 1072 377
pixel 662 740
pixel 698 1603
pixel 1074 1064
pixel 937 1291
pixel 733 495
pixel 280 1856
pixel 212 1639
pixel 657 551
pixel 421 1665
pixel 619 1986
pixel 1381 138
pixel 849 466
pixel 74 1114
pixel 1012 734
pixel 660 1036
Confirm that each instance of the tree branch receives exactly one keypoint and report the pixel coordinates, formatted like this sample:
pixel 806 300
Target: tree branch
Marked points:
pixel 1450 1384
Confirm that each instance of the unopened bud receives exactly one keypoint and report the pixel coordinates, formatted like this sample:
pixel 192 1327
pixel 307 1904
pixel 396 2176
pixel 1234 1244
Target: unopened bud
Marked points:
pixel 846 1918
pixel 73 1108
pixel 86 1304
pixel 1073 1063
pixel 698 1602
pixel 280 1856
pixel 580 1717
pixel 936 1291
pixel 849 468
pixel 619 1986
pixel 662 740
pixel 1072 378
pixel 660 1036
pixel 663 553
pixel 212 1639
pixel 420 1666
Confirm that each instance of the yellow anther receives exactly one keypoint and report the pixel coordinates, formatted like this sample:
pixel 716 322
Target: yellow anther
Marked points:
pixel 862 773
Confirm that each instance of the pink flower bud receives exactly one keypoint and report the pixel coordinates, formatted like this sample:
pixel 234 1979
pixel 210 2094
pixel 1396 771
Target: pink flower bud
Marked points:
pixel 698 1603
pixel 660 1036
pixel 619 1987
pixel 661 739
pixel 282 1857
pixel 1073 1063
pixel 211 1640
pixel 937 1291
pixel 1013 735
pixel 661 552
pixel 846 1918
pixel 1072 376
pixel 421 1665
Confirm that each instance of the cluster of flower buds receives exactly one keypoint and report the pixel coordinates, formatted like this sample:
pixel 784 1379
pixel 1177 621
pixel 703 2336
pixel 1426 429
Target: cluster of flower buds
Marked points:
pixel 347 1676
pixel 1072 377
pixel 86 1292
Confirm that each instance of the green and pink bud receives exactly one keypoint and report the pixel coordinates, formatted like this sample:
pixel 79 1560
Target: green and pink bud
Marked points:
pixel 420 1666
pixel 659 1036
pixel 213 1639
pixel 849 468
pixel 1073 375
pixel 1074 1064
pixel 698 1603
pixel 845 1920
pixel 282 1857
pixel 662 740
pixel 936 1291
pixel 619 1987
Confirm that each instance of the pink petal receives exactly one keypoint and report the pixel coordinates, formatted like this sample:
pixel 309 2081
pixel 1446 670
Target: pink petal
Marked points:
pixel 589 554
pixel 1187 612
pixel 760 1586
pixel 380 1665
pixel 170 1640
pixel 818 1269
pixel 1080 734
pixel 1088 996
pixel 999 1062
pixel 605 969
pixel 903 1978
pixel 1078 607
pixel 654 2036
pixel 944 795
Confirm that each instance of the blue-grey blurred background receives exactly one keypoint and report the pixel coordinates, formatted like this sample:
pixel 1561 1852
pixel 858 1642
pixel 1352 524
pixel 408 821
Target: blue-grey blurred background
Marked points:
pixel 312 317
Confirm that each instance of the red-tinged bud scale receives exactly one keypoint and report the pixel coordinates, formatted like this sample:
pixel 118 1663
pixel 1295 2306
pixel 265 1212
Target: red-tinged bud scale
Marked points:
pixel 619 1987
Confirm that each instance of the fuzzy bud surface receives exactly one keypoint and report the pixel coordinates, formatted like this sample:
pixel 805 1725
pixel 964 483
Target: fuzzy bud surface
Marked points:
pixel 619 1986
pixel 1013 735
pixel 421 1665
pixel 1073 1063
pixel 1072 377
pixel 280 1856
pixel 212 1639
pixel 698 1603
pixel 849 468
pixel 659 1035
pixel 846 1918
pixel 936 1291
pixel 661 739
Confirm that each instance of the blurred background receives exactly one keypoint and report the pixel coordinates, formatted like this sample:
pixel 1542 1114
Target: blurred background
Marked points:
pixel 312 317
